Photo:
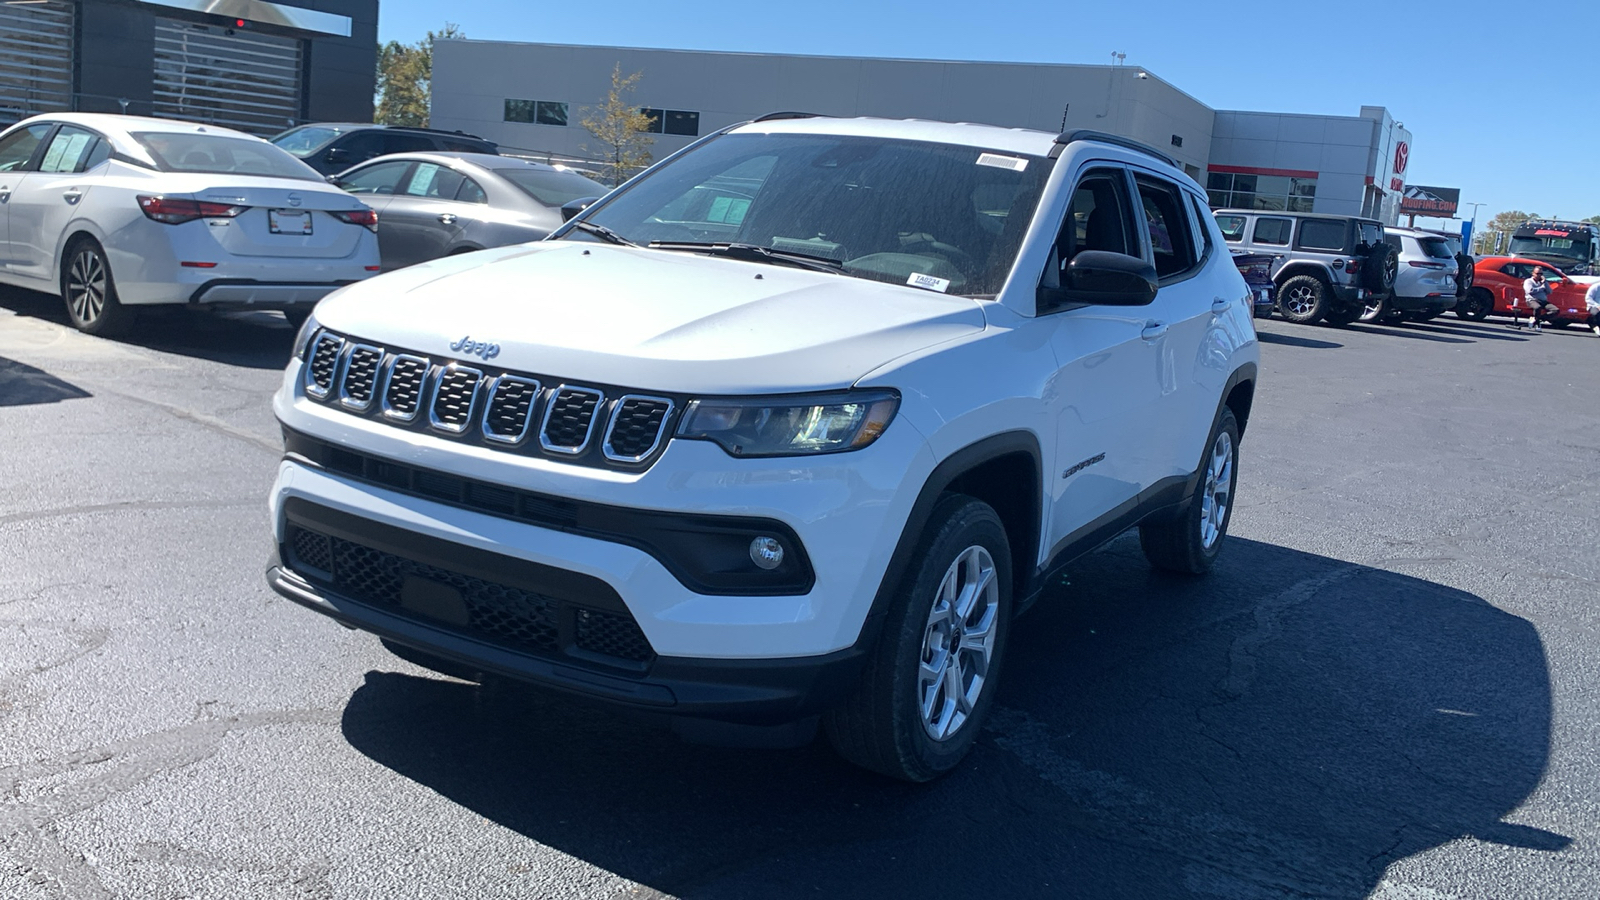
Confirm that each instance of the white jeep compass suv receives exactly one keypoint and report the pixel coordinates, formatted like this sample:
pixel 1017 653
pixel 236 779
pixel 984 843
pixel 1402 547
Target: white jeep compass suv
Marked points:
pixel 785 430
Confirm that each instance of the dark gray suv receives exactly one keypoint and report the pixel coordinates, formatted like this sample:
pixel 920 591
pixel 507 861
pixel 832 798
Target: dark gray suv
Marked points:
pixel 332 147
pixel 1326 267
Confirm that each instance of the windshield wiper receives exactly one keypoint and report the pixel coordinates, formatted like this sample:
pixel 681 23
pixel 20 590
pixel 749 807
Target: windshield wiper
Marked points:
pixel 753 252
pixel 602 232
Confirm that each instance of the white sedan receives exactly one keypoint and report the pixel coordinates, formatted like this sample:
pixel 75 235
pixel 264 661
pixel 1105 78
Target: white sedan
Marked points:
pixel 116 212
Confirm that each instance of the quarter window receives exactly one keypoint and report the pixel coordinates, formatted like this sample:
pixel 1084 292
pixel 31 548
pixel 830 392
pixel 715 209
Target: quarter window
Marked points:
pixel 471 192
pixel 1272 231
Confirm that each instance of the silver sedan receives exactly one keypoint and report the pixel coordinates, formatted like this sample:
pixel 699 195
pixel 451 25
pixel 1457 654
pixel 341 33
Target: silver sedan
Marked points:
pixel 438 204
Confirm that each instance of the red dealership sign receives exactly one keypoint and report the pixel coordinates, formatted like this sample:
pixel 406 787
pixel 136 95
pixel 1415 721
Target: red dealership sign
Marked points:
pixel 1402 155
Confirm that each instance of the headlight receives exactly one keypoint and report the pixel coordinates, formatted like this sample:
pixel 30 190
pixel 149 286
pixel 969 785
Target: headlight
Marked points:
pixel 791 426
pixel 302 339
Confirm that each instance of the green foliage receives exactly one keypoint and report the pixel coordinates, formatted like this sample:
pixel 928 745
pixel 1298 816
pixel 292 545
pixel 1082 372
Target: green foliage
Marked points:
pixel 1592 220
pixel 405 78
pixel 621 129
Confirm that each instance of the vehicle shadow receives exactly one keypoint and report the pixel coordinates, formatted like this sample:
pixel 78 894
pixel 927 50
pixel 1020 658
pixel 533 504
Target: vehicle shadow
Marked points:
pixel 253 339
pixel 24 385
pixel 1288 726
pixel 1269 337
pixel 1482 331
pixel 1406 330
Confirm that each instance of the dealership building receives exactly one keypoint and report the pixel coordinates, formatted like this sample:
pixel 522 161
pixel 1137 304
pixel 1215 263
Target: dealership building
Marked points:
pixel 533 98
pixel 249 64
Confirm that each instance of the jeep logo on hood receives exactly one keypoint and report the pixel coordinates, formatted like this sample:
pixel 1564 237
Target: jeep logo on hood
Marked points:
pixel 480 349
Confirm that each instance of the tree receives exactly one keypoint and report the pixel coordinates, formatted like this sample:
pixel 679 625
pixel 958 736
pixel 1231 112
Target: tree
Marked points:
pixel 621 128
pixel 405 78
pixel 1592 220
pixel 1509 220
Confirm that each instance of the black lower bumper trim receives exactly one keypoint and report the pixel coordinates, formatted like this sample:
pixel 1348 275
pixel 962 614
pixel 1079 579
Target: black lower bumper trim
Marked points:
pixel 745 691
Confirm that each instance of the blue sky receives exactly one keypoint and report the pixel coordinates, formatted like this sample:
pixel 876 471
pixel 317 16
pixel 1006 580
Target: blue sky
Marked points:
pixel 1483 97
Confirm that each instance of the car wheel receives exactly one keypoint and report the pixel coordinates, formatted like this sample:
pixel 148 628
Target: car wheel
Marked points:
pixel 1343 316
pixel 90 293
pixel 1465 274
pixel 930 682
pixel 297 317
pixel 1190 542
pixel 1303 300
pixel 1476 305
pixel 1376 309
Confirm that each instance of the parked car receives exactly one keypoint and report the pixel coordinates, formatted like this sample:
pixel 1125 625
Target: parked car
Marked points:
pixel 438 204
pixel 116 212
pixel 756 466
pixel 1257 271
pixel 332 147
pixel 1425 280
pixel 1325 267
pixel 1499 286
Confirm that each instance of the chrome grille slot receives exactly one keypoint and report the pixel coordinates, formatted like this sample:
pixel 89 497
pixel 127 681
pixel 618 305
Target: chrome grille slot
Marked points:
pixel 634 431
pixel 361 364
pixel 455 390
pixel 402 387
pixel 569 419
pixel 324 364
pixel 510 408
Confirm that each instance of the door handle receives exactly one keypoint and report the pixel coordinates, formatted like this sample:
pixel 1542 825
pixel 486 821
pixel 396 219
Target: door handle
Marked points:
pixel 73 195
pixel 1220 305
pixel 1153 329
pixel 5 192
pixel 447 218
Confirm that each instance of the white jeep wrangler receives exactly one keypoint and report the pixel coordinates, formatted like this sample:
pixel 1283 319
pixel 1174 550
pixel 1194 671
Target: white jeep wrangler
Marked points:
pixel 785 430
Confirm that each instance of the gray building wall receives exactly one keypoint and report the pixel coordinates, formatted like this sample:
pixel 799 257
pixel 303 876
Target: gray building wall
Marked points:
pixel 472 79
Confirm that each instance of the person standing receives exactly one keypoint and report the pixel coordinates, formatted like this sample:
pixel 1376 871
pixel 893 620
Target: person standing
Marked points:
pixel 1591 299
pixel 1536 294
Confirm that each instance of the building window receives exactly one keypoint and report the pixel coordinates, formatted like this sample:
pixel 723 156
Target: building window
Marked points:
pixel 673 121
pixel 1177 141
pixel 536 112
pixel 1269 192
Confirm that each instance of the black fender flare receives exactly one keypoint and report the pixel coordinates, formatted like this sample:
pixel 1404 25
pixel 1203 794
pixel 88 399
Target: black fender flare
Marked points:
pixel 1006 443
pixel 1303 267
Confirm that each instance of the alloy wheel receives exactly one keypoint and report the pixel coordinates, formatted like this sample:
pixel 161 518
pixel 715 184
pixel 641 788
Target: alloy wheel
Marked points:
pixel 1300 300
pixel 959 643
pixel 1218 491
pixel 86 287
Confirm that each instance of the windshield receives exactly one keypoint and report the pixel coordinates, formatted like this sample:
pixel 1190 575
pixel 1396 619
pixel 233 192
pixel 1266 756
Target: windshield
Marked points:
pixel 552 188
pixel 904 212
pixel 187 152
pixel 307 139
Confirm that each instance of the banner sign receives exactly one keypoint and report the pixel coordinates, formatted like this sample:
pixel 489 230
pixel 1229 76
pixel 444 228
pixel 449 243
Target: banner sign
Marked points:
pixel 1431 201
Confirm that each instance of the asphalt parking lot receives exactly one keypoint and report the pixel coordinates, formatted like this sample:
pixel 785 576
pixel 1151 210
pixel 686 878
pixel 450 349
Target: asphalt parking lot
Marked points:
pixel 1390 687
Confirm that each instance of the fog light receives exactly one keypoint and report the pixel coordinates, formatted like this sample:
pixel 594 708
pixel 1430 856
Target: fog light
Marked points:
pixel 766 553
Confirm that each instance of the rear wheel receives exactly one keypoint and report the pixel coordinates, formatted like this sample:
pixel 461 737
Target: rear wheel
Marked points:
pixel 90 293
pixel 297 317
pixel 931 680
pixel 1375 310
pixel 1303 300
pixel 1190 542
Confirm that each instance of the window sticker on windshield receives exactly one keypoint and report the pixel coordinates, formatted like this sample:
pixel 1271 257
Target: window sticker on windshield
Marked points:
pixel 928 282
pixel 1014 163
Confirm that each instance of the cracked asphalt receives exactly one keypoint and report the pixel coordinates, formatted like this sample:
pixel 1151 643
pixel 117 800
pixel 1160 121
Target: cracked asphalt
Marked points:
pixel 1387 689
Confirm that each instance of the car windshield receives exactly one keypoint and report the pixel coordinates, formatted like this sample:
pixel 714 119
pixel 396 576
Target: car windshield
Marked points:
pixel 551 188
pixel 175 151
pixel 307 139
pixel 945 217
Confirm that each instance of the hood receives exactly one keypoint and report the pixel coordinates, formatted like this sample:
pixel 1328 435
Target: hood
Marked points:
pixel 650 319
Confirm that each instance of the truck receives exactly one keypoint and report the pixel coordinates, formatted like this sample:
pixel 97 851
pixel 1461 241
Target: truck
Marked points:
pixel 1572 247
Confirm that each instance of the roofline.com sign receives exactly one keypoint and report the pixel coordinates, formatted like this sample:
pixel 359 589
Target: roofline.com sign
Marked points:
pixel 1421 200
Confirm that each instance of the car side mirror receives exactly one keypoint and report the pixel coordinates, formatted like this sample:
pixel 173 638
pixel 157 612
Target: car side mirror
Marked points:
pixel 573 207
pixel 337 155
pixel 1102 278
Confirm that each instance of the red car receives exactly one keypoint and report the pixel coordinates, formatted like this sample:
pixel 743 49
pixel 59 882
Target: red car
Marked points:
pixel 1497 286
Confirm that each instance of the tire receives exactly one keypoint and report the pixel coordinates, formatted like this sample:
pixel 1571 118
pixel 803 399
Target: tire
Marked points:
pixel 1375 310
pixel 1465 274
pixel 89 291
pixel 962 559
pixel 1190 543
pixel 1476 305
pixel 297 317
pixel 1379 270
pixel 1303 300
pixel 1343 316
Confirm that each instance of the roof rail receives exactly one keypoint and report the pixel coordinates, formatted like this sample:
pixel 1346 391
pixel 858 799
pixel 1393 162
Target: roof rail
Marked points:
pixel 775 116
pixel 1085 134
pixel 465 134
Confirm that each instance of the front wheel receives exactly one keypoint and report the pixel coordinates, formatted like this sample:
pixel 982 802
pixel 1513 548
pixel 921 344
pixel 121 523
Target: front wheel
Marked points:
pixel 1189 542
pixel 90 293
pixel 931 680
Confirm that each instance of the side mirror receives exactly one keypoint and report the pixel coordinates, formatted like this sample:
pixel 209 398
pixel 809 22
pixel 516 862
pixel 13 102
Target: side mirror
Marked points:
pixel 1102 278
pixel 573 207
pixel 337 155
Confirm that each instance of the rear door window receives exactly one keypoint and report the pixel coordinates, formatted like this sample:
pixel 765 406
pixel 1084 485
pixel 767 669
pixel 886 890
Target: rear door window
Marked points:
pixel 1323 234
pixel 1167 223
pixel 1232 228
pixel 434 182
pixel 70 150
pixel 1272 231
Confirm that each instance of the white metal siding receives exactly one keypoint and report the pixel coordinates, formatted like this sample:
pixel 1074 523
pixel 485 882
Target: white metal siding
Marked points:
pixel 238 79
pixel 35 59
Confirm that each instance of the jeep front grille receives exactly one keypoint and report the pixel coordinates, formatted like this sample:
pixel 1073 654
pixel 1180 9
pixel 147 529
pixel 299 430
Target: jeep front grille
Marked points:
pixel 497 409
